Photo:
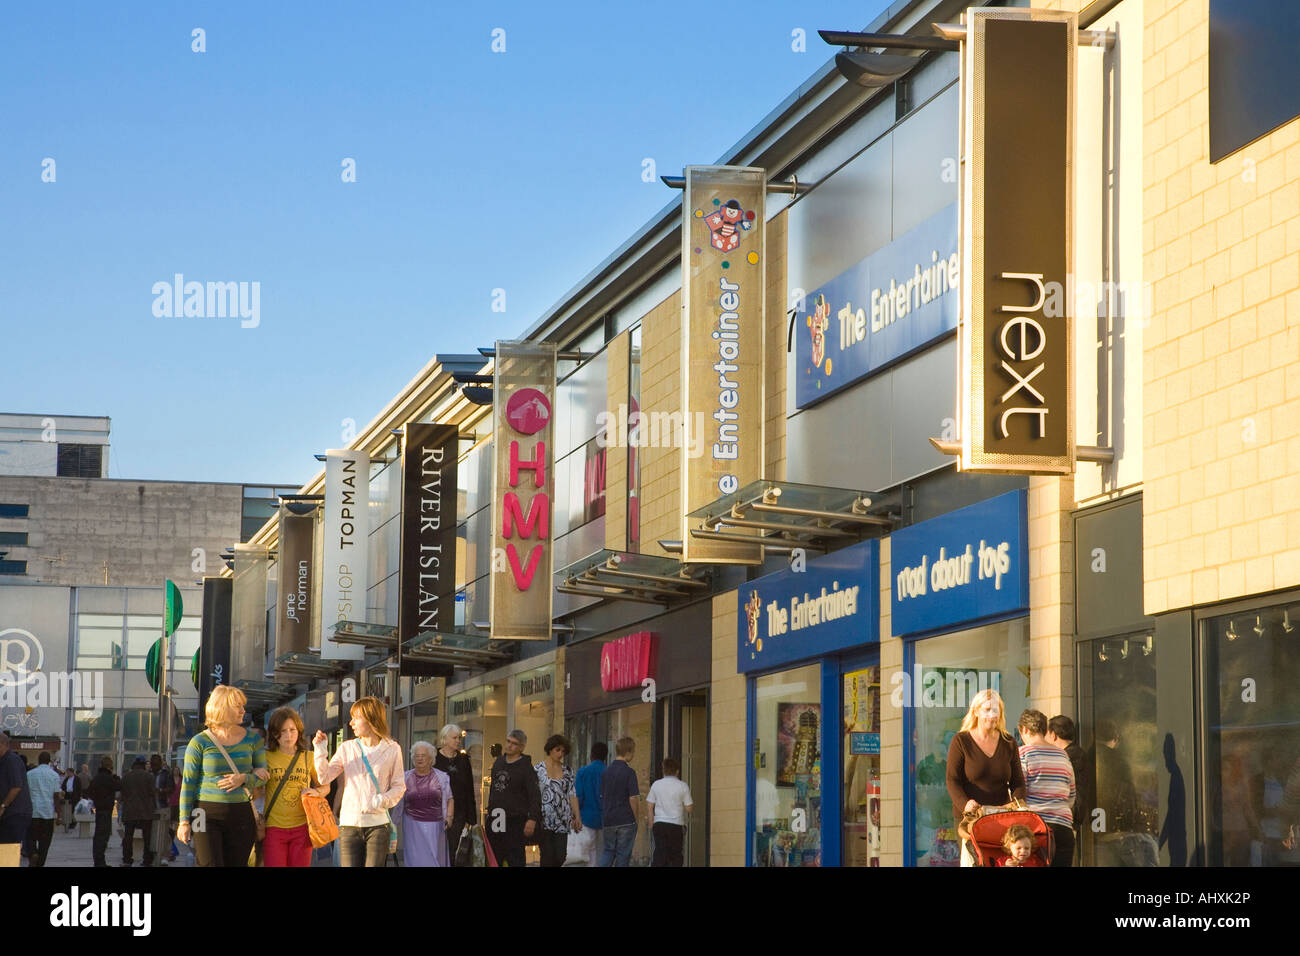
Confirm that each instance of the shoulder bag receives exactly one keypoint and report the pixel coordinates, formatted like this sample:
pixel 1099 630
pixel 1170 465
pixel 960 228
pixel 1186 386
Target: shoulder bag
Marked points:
pixel 257 817
pixel 392 830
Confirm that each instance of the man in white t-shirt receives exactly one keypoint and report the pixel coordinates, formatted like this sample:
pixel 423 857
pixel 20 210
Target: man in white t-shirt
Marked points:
pixel 667 804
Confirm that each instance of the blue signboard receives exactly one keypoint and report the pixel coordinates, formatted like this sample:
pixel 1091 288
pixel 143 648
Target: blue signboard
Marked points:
pixel 862 745
pixel 969 564
pixel 830 605
pixel 887 306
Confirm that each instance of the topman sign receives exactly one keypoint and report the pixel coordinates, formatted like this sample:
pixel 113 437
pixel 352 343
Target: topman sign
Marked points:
pixel 1017 396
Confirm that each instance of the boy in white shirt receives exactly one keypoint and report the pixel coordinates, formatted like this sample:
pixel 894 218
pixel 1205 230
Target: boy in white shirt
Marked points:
pixel 667 804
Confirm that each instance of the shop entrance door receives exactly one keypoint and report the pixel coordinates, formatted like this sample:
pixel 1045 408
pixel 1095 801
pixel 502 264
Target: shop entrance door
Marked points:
pixel 860 698
pixel 688 733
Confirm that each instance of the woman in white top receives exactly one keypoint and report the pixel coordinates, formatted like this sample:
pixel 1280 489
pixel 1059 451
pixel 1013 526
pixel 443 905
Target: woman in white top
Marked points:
pixel 373 783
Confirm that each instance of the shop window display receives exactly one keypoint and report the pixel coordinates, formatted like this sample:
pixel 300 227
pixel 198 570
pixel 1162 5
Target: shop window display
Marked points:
pixel 862 833
pixel 948 672
pixel 1124 752
pixel 1252 719
pixel 787 768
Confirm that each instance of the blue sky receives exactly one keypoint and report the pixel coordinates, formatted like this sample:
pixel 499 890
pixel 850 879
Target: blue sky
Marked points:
pixel 475 171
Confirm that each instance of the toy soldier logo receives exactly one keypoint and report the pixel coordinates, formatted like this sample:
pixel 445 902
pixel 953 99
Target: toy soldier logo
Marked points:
pixel 726 224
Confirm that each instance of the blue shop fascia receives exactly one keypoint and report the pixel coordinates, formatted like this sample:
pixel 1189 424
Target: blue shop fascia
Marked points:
pixel 809 645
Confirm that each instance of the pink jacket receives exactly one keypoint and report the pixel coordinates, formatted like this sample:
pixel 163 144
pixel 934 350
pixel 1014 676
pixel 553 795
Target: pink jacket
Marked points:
pixel 363 806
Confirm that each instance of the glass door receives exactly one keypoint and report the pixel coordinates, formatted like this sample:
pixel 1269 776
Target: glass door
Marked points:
pixel 861 842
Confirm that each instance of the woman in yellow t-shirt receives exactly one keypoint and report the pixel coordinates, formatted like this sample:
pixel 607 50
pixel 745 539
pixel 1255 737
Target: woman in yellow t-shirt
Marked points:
pixel 287 841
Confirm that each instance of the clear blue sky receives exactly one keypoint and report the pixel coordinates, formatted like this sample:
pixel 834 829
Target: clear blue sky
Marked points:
pixel 475 171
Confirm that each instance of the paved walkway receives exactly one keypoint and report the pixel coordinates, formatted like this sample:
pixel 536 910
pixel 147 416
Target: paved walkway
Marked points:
pixel 71 849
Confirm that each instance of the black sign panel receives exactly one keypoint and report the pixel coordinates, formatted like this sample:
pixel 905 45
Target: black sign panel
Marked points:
pixel 296 582
pixel 214 637
pixel 1018 85
pixel 427 600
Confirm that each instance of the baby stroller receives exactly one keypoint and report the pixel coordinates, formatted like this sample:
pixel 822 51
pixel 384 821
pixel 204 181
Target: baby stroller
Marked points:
pixel 987 830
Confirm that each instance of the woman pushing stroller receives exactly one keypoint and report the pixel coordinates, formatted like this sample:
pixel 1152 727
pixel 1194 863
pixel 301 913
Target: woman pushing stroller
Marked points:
pixel 983 764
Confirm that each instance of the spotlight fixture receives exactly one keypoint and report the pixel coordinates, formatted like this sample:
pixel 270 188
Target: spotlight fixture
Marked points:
pixel 1102 654
pixel 1147 645
pixel 1123 650
pixel 1259 626
pixel 1286 621
pixel 1232 631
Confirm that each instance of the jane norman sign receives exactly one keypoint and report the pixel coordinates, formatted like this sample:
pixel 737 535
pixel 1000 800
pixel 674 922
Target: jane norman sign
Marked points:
pixel 961 567
pixel 791 615
pixel 723 306
pixel 887 306
pixel 1017 395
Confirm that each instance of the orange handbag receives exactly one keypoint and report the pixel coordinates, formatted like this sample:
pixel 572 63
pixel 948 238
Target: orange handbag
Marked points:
pixel 321 825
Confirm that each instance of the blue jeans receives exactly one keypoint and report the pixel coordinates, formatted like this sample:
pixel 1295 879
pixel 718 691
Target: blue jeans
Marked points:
pixel 618 845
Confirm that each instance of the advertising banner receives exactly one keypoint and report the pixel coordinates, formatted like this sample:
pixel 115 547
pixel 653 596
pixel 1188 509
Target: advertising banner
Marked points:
pixel 214 639
pixel 345 567
pixel 297 579
pixel 962 567
pixel 1017 394
pixel 723 302
pixel 523 490
pixel 890 304
pixel 248 615
pixel 831 605
pixel 427 601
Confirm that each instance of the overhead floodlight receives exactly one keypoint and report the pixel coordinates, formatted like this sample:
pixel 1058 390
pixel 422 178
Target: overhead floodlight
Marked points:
pixel 873 70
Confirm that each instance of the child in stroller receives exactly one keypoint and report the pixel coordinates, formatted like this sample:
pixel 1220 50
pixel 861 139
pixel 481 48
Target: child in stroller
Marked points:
pixel 995 837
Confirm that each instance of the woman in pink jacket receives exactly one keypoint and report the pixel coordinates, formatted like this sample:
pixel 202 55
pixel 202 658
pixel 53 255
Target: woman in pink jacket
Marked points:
pixel 373 783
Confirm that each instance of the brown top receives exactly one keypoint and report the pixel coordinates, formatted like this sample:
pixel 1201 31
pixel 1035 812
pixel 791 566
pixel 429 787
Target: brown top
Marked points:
pixel 972 775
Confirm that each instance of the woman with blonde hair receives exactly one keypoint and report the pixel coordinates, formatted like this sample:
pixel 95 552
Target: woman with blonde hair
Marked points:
pixel 293 773
pixel 373 783
pixel 452 760
pixel 222 766
pixel 983 760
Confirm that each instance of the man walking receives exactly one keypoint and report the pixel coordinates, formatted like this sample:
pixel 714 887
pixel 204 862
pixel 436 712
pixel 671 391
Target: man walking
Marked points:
pixel 1049 784
pixel 587 786
pixel 43 785
pixel 668 804
pixel 102 792
pixel 619 793
pixel 514 809
pixel 139 806
pixel 15 798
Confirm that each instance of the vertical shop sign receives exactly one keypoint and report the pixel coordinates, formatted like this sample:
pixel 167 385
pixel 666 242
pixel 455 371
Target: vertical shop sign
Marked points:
pixel 723 304
pixel 297 579
pixel 523 490
pixel 1017 394
pixel 248 617
pixel 346 567
pixel 427 600
pixel 214 637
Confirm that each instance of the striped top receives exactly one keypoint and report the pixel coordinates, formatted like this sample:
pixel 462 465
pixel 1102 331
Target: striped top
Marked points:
pixel 1049 783
pixel 204 768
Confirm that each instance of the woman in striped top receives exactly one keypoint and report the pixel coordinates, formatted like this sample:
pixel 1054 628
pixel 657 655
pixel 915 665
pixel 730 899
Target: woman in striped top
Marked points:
pixel 210 791
pixel 1049 783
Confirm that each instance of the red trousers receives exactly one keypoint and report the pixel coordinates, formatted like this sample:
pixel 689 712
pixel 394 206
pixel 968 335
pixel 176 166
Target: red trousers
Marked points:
pixel 287 846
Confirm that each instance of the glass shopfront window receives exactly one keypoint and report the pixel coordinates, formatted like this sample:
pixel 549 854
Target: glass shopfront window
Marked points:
pixel 481 714
pixel 787 768
pixel 535 707
pixel 1119 793
pixel 947 672
pixel 635 721
pixel 861 814
pixel 1252 737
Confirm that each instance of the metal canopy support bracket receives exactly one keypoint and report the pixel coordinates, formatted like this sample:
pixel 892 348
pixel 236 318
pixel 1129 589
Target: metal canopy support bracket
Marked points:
pixel 1104 39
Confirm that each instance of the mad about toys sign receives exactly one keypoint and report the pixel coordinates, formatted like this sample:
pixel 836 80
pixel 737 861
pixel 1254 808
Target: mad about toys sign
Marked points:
pixel 723 299
pixel 967 565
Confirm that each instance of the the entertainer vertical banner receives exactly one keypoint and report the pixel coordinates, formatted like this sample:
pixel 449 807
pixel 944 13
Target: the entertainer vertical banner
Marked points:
pixel 345 571
pixel 723 299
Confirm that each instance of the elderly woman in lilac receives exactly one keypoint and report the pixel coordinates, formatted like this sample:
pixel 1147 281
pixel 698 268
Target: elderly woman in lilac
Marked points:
pixel 427 807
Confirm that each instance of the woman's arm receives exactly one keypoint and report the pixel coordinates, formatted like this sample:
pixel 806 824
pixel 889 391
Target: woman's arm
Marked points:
pixel 327 768
pixel 191 778
pixel 1017 784
pixel 955 774
pixel 396 780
